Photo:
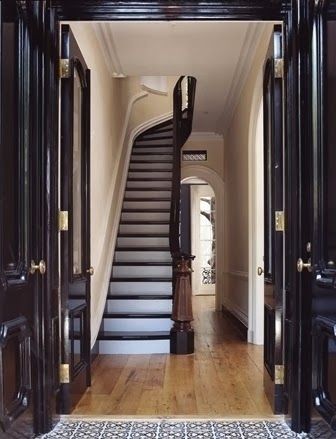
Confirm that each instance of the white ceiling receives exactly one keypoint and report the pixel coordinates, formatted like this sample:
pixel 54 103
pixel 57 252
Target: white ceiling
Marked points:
pixel 218 54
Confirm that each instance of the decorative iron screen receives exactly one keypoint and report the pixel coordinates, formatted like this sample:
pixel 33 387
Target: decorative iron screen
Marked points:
pixel 194 156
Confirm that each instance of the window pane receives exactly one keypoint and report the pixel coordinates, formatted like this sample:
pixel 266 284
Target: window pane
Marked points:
pixel 77 176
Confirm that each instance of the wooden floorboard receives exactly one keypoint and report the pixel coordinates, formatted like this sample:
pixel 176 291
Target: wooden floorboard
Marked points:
pixel 223 378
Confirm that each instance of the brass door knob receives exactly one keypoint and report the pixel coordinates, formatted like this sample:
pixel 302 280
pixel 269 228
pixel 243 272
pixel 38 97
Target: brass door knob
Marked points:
pixel 41 267
pixel 260 271
pixel 90 271
pixel 302 265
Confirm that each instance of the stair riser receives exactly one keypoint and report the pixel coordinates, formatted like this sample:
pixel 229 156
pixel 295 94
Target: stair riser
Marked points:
pixel 139 287
pixel 121 324
pixel 144 228
pixel 153 149
pixel 157 135
pixel 150 204
pixel 147 194
pixel 145 216
pixel 148 184
pixel 160 174
pixel 134 347
pixel 145 306
pixel 152 157
pixel 142 271
pixel 142 242
pixel 142 256
pixel 150 166
pixel 150 142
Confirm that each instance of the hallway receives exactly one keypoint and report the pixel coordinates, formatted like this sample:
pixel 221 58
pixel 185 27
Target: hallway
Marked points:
pixel 223 378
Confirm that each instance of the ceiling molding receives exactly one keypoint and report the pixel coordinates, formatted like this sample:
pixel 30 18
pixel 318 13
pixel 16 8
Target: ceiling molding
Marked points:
pixel 253 38
pixel 104 35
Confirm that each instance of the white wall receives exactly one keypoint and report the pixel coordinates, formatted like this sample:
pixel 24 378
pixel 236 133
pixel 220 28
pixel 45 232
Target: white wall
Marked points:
pixel 119 110
pixel 214 144
pixel 236 169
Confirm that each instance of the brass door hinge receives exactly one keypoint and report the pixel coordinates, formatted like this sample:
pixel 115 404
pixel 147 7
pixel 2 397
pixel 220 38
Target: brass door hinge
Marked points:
pixel 279 221
pixel 63 221
pixel 278 67
pixel 64 68
pixel 64 373
pixel 279 374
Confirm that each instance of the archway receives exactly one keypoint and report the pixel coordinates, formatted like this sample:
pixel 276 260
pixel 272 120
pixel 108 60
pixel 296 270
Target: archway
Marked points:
pixel 217 184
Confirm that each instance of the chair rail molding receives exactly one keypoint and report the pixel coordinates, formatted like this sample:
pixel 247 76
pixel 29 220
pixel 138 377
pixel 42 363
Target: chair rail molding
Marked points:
pixel 218 185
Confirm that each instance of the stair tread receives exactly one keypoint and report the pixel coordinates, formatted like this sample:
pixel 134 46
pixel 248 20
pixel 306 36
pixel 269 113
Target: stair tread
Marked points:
pixel 148 189
pixel 147 199
pixel 152 153
pixel 151 170
pixel 150 161
pixel 142 263
pixel 141 249
pixel 137 315
pixel 148 179
pixel 138 209
pixel 143 235
pixel 133 335
pixel 141 279
pixel 152 145
pixel 139 296
pixel 139 222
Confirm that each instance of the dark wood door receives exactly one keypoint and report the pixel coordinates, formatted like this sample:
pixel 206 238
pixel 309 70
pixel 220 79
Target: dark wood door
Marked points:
pixel 75 236
pixel 28 281
pixel 274 221
pixel 322 254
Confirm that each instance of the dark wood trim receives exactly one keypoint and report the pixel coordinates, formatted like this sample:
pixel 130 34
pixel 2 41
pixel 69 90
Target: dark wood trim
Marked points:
pixel 171 10
pixel 238 324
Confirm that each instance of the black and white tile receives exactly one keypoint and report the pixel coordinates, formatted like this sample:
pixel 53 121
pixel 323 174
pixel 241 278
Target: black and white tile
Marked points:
pixel 171 429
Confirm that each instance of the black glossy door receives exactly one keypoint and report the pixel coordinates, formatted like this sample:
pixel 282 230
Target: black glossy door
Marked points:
pixel 323 247
pixel 75 241
pixel 274 230
pixel 28 281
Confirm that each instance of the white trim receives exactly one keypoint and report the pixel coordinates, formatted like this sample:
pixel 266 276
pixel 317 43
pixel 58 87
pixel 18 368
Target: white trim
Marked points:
pixel 256 283
pixel 112 224
pixel 254 35
pixel 104 36
pixel 217 184
pixel 239 313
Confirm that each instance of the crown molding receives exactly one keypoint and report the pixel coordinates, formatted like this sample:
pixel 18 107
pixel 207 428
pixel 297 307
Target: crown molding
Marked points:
pixel 254 35
pixel 104 36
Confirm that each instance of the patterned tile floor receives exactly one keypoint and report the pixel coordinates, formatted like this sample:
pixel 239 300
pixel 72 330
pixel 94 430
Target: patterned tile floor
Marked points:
pixel 168 429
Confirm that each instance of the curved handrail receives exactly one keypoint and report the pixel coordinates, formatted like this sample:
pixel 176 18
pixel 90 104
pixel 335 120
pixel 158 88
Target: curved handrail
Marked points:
pixel 183 111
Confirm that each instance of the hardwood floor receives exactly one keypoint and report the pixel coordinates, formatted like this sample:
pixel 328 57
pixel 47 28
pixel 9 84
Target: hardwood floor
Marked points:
pixel 223 378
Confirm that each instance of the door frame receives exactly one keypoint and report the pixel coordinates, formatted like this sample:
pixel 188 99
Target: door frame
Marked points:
pixel 297 17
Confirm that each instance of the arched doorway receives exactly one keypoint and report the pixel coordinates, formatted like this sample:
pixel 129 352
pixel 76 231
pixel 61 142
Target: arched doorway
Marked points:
pixel 211 178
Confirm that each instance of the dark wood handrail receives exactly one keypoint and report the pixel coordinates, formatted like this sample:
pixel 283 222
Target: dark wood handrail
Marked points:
pixel 182 126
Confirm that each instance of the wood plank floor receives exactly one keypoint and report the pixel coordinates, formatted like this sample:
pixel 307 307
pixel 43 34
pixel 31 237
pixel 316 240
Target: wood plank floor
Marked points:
pixel 223 378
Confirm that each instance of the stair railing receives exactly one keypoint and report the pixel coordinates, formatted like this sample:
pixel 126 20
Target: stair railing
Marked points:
pixel 182 334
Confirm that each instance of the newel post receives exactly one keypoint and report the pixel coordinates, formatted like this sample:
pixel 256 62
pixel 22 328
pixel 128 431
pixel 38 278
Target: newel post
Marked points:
pixel 182 333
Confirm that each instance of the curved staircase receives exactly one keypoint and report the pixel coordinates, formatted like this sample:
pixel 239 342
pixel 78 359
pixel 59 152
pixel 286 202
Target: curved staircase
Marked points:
pixel 137 316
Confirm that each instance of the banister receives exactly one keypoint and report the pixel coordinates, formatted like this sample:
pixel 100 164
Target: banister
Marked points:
pixel 182 334
pixel 182 127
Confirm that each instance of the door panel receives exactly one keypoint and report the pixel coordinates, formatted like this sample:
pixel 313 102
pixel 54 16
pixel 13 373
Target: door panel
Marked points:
pixel 324 218
pixel 18 286
pixel 75 242
pixel 273 253
pixel 26 303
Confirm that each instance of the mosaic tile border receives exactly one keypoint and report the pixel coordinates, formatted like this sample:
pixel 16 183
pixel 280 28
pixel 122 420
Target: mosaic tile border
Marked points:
pixel 171 429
